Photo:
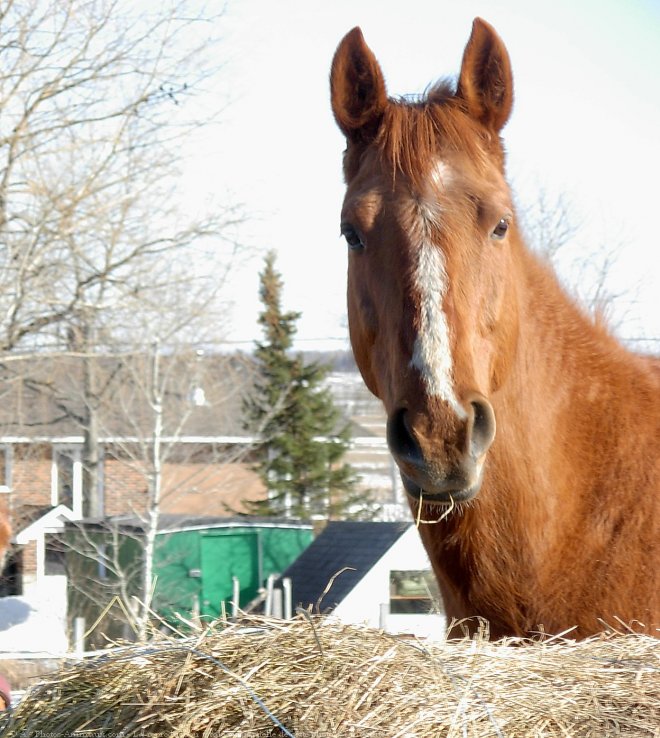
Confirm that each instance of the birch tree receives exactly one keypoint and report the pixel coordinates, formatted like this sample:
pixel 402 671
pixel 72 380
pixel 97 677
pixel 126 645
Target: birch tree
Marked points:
pixel 168 403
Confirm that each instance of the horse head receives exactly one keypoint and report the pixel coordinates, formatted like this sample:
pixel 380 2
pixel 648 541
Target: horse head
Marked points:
pixel 428 221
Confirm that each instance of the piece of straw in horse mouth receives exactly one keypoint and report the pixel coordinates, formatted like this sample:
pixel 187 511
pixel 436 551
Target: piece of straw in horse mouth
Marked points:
pixel 418 519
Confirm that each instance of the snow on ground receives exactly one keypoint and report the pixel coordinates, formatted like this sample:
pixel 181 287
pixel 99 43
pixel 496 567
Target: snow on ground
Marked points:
pixel 34 624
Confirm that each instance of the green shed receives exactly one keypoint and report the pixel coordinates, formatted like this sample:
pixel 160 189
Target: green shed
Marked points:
pixel 197 563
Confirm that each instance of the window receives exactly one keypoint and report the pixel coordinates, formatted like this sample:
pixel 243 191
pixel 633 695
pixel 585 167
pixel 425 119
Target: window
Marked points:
pixel 11 577
pixel 54 558
pixel 102 569
pixel 66 482
pixel 64 464
pixel 5 467
pixel 412 592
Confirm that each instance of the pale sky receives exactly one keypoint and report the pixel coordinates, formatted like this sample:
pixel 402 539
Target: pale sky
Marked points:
pixel 586 124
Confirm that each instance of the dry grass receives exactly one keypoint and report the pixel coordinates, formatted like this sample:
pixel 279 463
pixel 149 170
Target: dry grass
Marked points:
pixel 315 678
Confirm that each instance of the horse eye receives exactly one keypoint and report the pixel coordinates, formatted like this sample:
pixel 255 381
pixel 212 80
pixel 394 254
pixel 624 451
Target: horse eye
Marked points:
pixel 352 237
pixel 500 230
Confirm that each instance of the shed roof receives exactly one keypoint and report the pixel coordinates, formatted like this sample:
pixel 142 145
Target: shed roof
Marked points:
pixel 174 523
pixel 340 556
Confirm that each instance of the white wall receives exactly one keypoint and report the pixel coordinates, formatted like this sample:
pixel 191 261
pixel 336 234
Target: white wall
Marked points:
pixel 363 602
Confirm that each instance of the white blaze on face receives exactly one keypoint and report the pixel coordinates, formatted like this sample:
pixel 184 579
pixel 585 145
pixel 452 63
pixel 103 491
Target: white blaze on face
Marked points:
pixel 432 350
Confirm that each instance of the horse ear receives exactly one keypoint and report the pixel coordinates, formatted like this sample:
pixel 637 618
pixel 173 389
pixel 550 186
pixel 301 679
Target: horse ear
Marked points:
pixel 357 88
pixel 486 83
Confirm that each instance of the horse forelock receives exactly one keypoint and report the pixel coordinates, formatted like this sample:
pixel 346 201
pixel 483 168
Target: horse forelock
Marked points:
pixel 415 134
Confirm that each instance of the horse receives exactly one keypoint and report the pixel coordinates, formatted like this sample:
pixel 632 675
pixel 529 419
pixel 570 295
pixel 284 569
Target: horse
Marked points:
pixel 527 436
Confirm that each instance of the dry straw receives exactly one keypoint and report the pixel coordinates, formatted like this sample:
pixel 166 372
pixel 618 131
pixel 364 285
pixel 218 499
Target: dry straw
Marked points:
pixel 314 678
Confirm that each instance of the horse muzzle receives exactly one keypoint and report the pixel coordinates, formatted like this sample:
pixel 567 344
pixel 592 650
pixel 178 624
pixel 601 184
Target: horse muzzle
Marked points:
pixel 452 489
pixel 442 463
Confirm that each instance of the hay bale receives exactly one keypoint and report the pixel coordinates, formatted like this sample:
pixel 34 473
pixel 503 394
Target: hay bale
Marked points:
pixel 314 677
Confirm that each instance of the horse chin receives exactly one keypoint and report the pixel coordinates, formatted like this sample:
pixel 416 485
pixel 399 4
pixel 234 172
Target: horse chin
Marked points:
pixel 442 497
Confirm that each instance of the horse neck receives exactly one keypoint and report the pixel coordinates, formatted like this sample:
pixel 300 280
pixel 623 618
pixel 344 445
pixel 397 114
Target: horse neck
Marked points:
pixel 564 356
pixel 567 413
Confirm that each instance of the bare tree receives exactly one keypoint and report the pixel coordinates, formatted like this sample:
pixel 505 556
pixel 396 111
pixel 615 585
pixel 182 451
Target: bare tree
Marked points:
pixel 96 102
pixel 549 222
pixel 554 229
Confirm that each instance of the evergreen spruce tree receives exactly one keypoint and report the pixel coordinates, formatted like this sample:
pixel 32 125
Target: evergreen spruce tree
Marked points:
pixel 300 457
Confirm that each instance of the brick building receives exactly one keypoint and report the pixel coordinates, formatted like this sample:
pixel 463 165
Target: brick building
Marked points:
pixel 204 462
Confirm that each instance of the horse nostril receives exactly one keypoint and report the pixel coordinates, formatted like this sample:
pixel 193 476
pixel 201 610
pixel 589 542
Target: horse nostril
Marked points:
pixel 400 439
pixel 482 431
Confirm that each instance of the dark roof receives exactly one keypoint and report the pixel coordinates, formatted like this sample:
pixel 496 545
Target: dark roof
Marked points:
pixel 355 546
